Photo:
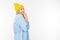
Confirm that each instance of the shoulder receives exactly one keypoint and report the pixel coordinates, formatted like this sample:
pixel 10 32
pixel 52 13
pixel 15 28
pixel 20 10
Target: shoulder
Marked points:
pixel 19 16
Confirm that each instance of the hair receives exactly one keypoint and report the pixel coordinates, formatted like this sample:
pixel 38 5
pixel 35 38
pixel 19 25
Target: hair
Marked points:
pixel 17 12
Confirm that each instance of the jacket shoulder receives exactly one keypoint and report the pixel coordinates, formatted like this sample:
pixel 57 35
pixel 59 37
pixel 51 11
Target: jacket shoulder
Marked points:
pixel 18 15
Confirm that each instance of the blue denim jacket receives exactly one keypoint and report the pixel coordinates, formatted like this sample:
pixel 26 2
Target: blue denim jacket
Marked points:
pixel 21 28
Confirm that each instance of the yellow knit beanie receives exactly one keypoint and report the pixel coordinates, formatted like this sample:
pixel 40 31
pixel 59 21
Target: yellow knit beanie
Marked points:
pixel 17 6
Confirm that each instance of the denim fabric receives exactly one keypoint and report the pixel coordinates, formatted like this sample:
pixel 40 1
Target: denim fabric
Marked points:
pixel 21 28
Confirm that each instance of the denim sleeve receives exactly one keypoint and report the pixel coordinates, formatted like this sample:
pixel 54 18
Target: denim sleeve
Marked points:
pixel 28 25
pixel 22 22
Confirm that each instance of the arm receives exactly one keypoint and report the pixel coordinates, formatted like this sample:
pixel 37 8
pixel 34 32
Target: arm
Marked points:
pixel 28 25
pixel 22 23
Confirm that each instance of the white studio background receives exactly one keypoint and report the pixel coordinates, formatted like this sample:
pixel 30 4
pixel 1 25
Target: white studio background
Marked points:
pixel 44 18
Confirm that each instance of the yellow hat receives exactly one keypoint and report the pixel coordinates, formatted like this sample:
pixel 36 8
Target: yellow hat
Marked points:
pixel 17 6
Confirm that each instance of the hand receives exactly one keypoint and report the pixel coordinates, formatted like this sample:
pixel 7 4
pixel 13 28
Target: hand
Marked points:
pixel 25 16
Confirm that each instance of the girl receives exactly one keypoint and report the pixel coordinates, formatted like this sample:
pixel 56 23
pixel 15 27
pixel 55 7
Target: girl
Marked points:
pixel 21 24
